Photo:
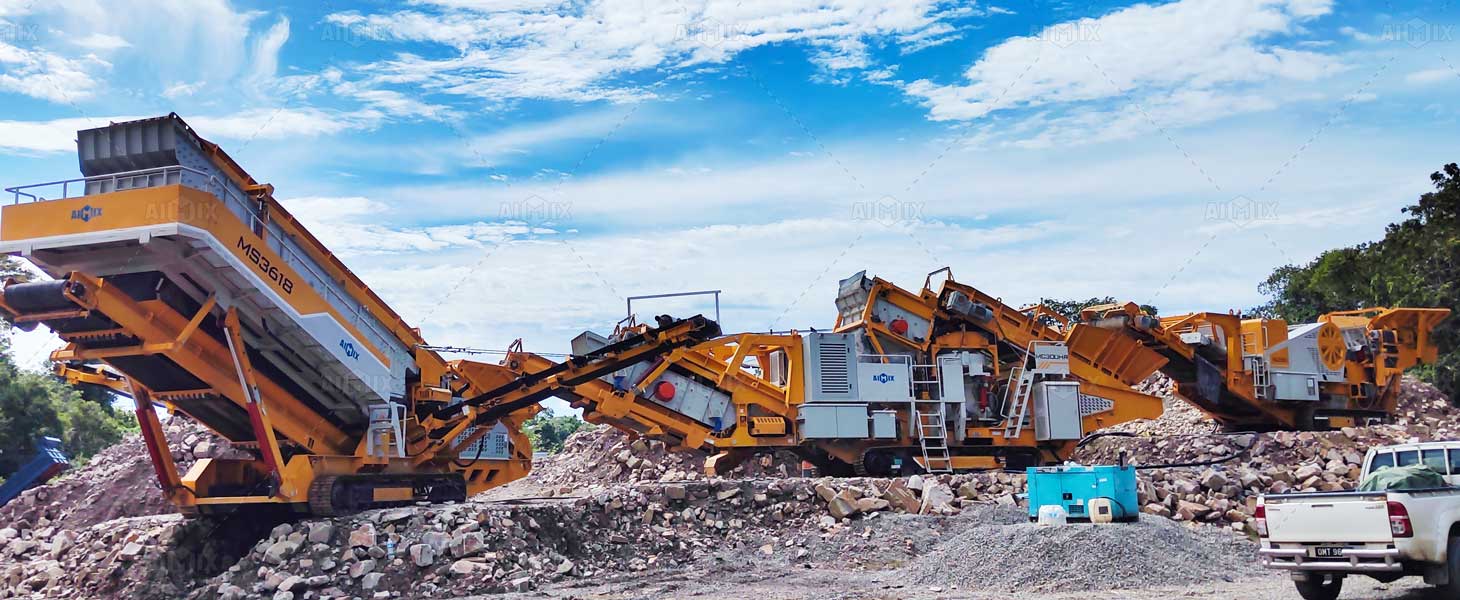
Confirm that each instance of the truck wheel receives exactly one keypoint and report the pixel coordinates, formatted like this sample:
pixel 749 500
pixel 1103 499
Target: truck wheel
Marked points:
pixel 1320 587
pixel 1451 590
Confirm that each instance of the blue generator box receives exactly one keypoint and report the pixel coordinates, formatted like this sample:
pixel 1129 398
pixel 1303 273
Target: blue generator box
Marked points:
pixel 1072 487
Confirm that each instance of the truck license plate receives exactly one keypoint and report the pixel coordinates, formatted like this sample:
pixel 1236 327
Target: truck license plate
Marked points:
pixel 1328 552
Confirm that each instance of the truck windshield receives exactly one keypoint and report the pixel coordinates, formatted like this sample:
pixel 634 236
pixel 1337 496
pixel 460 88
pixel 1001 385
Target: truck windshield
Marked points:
pixel 1435 459
pixel 1382 460
pixel 1408 457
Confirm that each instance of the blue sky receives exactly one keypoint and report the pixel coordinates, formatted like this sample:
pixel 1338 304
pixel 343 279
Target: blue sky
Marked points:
pixel 500 169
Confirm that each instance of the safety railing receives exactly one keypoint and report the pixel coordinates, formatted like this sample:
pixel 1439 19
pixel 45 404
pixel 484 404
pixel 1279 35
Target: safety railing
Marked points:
pixel 219 188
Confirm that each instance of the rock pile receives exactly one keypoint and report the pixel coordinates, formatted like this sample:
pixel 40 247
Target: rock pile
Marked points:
pixel 1226 491
pixel 153 557
pixel 116 482
pixel 615 531
pixel 1004 552
pixel 601 455
pixel 1178 417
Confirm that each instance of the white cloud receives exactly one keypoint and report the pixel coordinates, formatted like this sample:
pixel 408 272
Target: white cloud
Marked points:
pixel 265 53
pixel 510 50
pixel 102 41
pixel 49 76
pixel 1190 46
pixel 180 90
pixel 151 42
pixel 1429 76
pixel 59 135
pixel 282 123
pixel 355 226
pixel 39 137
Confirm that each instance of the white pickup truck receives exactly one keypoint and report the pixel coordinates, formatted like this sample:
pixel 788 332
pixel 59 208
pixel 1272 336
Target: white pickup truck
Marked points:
pixel 1323 537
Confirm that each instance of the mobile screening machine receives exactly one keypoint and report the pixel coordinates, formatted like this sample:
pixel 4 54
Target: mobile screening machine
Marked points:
pixel 179 280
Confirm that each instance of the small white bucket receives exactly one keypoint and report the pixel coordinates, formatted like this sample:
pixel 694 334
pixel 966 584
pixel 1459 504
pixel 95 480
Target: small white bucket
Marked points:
pixel 1053 515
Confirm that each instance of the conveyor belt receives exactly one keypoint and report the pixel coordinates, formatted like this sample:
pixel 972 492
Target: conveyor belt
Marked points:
pixel 38 297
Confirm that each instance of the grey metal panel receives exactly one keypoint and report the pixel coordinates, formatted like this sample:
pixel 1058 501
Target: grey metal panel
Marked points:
pixel 851 296
pixel 884 382
pixel 1295 386
pixel 588 341
pixel 692 399
pixel 817 421
pixel 884 424
pixel 833 421
pixel 917 327
pixel 831 367
pixel 1057 411
pixel 852 422
pixel 494 445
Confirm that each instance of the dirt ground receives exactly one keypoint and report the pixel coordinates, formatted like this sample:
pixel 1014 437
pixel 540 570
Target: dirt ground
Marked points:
pixel 744 573
pixel 802 584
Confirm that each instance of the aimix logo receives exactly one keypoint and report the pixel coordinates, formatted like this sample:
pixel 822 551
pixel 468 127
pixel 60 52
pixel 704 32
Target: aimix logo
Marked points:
pixel 350 350
pixel 883 378
pixel 86 213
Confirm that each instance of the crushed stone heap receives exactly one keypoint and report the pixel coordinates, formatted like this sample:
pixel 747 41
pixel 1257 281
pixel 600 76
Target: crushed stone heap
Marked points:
pixel 1247 464
pixel 117 482
pixel 601 455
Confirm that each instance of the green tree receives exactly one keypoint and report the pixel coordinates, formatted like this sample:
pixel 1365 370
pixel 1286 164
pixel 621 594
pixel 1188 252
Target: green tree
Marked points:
pixel 28 409
pixel 1417 263
pixel 40 404
pixel 548 431
pixel 11 269
pixel 1070 309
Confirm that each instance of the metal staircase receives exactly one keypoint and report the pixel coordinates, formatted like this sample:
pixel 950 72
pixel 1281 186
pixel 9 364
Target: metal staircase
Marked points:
pixel 1020 395
pixel 933 437
pixel 1261 379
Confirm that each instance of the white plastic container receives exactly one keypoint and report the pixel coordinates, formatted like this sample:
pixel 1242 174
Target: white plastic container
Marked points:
pixel 1053 515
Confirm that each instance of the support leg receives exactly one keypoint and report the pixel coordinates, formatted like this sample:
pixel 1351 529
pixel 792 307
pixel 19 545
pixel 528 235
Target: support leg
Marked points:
pixel 258 415
pixel 156 440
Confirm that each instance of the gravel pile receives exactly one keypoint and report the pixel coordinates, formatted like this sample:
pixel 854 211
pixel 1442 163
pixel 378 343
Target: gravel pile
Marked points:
pixel 602 455
pixel 1178 417
pixel 1002 551
pixel 1274 463
pixel 118 482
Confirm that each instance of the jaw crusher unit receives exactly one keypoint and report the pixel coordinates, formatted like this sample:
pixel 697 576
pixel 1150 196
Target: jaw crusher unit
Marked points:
pixel 982 386
pixel 1251 373
pixel 180 281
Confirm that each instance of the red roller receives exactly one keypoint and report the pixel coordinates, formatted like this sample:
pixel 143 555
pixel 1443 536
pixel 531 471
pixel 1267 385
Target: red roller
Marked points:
pixel 664 391
pixel 898 326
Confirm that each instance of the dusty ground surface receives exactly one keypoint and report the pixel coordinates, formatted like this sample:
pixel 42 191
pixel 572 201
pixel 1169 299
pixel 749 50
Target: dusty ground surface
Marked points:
pixel 791 584
pixel 617 518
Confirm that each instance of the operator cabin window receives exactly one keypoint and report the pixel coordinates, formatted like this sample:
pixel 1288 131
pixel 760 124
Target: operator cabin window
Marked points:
pixel 1382 460
pixel 1435 459
pixel 1408 457
pixel 1455 461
